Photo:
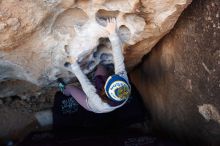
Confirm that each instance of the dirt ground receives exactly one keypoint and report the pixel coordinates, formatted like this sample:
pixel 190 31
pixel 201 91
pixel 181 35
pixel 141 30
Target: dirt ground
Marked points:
pixel 17 113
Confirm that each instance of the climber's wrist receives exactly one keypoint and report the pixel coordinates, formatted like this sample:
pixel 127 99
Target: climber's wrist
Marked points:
pixel 113 37
pixel 75 66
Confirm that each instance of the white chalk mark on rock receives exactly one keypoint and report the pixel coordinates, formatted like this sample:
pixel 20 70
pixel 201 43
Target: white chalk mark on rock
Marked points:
pixel 206 68
pixel 209 112
pixel 2 26
pixel 189 85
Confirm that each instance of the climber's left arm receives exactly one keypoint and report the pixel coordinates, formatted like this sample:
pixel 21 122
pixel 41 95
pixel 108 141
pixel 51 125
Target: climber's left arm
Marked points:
pixel 116 49
pixel 94 102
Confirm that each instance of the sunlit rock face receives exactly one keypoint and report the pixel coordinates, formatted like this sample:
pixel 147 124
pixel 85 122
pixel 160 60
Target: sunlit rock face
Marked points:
pixel 34 35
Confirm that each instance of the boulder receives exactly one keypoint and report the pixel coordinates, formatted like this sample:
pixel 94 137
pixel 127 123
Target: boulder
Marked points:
pixel 34 36
pixel 180 78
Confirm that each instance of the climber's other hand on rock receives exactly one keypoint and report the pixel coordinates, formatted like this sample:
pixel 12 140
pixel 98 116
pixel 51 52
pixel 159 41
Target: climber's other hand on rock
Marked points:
pixel 69 62
pixel 72 64
pixel 71 59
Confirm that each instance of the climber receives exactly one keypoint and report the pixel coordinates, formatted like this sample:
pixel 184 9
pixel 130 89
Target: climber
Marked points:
pixel 110 92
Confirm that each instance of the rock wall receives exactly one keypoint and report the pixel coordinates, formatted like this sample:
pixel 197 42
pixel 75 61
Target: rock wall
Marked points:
pixel 180 78
pixel 35 34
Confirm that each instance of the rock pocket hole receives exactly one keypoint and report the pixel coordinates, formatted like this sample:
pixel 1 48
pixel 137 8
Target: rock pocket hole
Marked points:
pixel 71 16
pixel 102 15
pixel 124 33
pixel 67 49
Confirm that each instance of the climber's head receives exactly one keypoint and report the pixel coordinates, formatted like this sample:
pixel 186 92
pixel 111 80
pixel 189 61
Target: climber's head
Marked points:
pixel 117 88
